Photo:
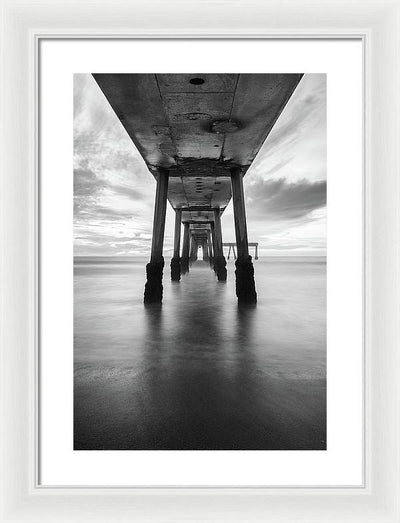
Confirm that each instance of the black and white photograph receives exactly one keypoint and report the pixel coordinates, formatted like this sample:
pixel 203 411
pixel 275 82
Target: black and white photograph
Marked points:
pixel 200 273
pixel 200 244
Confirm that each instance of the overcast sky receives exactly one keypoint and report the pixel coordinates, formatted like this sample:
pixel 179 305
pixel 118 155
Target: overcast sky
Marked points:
pixel 285 188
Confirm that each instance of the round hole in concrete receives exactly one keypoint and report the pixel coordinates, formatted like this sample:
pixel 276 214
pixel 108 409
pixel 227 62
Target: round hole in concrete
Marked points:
pixel 196 81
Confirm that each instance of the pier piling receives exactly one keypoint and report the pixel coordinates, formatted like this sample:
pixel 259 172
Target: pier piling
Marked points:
pixel 245 284
pixel 185 249
pixel 176 261
pixel 219 259
pixel 153 290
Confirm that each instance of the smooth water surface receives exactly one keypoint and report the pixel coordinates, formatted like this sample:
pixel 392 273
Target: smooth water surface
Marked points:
pixel 200 372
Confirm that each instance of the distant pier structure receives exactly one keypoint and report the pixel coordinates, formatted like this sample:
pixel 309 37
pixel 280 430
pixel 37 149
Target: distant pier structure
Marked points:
pixel 232 247
pixel 198 134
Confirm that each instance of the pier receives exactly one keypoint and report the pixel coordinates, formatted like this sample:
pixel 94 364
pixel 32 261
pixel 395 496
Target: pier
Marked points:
pixel 199 134
pixel 233 246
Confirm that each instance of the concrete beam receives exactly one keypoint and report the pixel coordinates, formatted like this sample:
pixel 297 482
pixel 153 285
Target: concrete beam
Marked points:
pixel 198 208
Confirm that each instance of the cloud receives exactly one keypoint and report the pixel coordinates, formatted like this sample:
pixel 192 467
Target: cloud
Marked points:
pixel 279 166
pixel 125 190
pixel 87 190
pixel 296 146
pixel 100 212
pixel 86 183
pixel 280 200
pixel 94 195
pixel 290 128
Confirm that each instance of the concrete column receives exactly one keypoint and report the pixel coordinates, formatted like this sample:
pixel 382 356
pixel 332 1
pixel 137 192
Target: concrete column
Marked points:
pixel 210 250
pixel 204 245
pixel 193 250
pixel 191 246
pixel 185 249
pixel 213 246
pixel 209 241
pixel 218 232
pixel 219 259
pixel 153 290
pixel 176 260
pixel 206 256
pixel 245 285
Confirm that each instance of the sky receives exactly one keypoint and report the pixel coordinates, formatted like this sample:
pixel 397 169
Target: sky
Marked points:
pixel 285 188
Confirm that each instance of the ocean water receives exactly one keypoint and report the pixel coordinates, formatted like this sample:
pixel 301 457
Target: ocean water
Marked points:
pixel 199 371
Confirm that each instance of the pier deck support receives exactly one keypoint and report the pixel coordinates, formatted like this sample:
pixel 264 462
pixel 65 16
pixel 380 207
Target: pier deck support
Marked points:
pixel 210 249
pixel 206 256
pixel 219 259
pixel 193 250
pixel 213 246
pixel 153 290
pixel 185 249
pixel 176 261
pixel 245 285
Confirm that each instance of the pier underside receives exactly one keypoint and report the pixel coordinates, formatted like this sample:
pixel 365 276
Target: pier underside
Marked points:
pixel 198 134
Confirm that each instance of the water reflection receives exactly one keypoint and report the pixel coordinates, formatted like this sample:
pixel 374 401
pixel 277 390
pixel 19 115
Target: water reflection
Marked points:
pixel 200 371
pixel 245 314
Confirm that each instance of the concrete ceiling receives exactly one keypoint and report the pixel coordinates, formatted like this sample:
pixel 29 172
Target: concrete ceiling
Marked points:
pixel 198 126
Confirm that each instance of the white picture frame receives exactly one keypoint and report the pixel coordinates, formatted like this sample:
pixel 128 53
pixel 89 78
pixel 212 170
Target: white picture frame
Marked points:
pixel 377 23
